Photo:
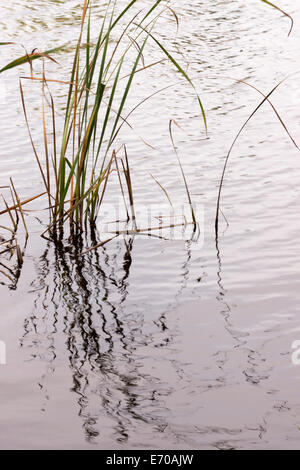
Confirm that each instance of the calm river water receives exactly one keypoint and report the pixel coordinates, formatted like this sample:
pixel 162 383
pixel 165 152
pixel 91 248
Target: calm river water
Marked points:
pixel 159 342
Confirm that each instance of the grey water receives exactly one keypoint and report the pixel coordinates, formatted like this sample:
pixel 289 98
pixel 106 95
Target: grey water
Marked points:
pixel 169 342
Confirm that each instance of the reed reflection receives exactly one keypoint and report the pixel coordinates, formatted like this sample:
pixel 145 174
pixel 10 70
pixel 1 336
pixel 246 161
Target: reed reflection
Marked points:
pixel 80 319
pixel 82 297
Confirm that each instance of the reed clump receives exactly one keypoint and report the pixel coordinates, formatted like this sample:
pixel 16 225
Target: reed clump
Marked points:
pixel 79 153
pixel 80 156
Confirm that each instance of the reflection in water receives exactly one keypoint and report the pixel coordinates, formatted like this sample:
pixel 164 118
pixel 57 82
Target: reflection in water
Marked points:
pixel 11 267
pixel 221 297
pixel 99 324
pixel 10 275
pixel 253 372
pixel 81 292
pixel 82 300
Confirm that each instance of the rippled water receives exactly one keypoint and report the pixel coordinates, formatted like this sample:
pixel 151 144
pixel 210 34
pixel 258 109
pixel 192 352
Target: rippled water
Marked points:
pixel 159 343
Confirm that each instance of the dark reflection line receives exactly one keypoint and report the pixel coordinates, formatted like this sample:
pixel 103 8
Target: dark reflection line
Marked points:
pixel 74 294
pixel 185 269
pixel 80 310
pixel 13 273
pixel 239 338
pixel 221 297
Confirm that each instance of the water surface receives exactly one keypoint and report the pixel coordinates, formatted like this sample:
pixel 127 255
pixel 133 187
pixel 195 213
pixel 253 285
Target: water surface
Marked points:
pixel 157 343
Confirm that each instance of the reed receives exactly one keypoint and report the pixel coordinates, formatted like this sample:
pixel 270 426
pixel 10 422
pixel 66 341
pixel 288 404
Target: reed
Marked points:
pixel 281 11
pixel 266 98
pixel 79 156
